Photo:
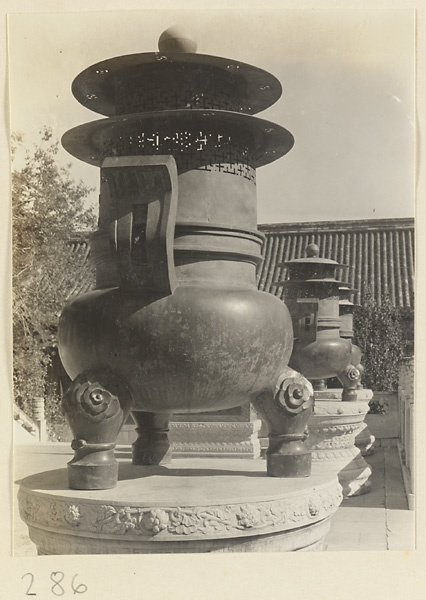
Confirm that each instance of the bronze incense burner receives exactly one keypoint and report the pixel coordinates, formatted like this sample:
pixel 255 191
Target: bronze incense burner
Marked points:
pixel 176 323
pixel 322 322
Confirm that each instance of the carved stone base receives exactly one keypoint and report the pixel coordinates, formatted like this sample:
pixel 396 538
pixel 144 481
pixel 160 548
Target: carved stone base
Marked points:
pixel 196 505
pixel 364 440
pixel 332 430
pixel 215 439
pixel 231 433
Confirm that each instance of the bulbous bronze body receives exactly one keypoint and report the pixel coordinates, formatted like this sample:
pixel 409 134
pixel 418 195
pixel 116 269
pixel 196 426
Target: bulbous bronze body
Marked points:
pixel 199 349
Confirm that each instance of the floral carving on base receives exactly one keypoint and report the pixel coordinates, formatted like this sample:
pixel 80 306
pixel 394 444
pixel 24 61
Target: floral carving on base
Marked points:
pixel 150 522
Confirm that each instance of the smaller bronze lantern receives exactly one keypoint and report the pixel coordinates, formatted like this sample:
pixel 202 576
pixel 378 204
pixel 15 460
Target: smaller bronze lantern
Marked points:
pixel 346 310
pixel 313 295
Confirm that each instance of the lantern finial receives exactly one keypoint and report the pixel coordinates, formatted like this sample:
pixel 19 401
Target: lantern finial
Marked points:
pixel 312 251
pixel 176 39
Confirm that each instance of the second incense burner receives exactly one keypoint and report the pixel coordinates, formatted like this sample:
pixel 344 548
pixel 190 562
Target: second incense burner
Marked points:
pixel 321 348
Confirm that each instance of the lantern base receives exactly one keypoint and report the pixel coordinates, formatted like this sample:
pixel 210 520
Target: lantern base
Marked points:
pixel 198 505
pixel 333 428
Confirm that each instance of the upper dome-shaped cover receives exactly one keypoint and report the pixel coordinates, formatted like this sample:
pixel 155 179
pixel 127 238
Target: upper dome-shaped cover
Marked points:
pixel 248 89
pixel 312 257
pixel 311 270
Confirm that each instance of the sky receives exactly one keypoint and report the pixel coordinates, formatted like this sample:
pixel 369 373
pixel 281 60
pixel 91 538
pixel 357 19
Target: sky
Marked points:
pixel 348 95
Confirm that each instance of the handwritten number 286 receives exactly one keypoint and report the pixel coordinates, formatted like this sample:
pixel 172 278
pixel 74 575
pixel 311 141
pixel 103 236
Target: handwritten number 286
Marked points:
pixel 57 577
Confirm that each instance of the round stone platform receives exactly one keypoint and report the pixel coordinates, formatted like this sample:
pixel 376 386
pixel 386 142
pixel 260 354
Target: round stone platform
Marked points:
pixel 192 505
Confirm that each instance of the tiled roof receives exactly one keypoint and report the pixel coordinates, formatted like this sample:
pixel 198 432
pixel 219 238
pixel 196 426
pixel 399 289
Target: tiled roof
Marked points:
pixel 379 254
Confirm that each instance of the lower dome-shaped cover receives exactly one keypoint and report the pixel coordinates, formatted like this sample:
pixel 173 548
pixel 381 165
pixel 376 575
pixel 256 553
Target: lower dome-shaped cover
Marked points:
pixel 268 141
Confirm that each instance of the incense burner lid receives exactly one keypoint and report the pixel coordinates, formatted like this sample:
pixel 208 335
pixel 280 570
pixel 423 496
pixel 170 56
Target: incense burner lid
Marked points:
pixel 268 141
pixel 256 89
pixel 327 281
pixel 310 261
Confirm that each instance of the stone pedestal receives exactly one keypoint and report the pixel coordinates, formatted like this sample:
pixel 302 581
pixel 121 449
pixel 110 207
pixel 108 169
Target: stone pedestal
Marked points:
pixel 364 440
pixel 332 431
pixel 215 439
pixel 195 505
pixel 229 433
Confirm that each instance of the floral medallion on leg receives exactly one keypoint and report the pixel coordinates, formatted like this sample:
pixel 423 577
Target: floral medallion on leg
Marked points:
pixel 96 405
pixel 286 414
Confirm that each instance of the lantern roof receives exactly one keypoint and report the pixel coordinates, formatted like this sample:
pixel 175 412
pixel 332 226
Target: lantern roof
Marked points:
pixel 267 141
pixel 307 282
pixel 312 258
pixel 177 62
pixel 312 271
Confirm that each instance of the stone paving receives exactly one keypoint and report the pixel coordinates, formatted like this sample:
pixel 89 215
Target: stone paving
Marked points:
pixel 379 520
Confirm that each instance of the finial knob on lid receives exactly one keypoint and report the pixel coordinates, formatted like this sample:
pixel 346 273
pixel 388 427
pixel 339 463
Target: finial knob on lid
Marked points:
pixel 176 39
pixel 312 251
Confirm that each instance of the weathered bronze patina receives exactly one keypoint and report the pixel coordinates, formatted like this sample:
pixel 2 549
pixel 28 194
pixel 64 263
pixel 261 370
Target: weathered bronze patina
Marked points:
pixel 175 319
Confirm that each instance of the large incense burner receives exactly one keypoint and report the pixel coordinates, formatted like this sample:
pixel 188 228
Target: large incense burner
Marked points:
pixel 322 322
pixel 175 323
